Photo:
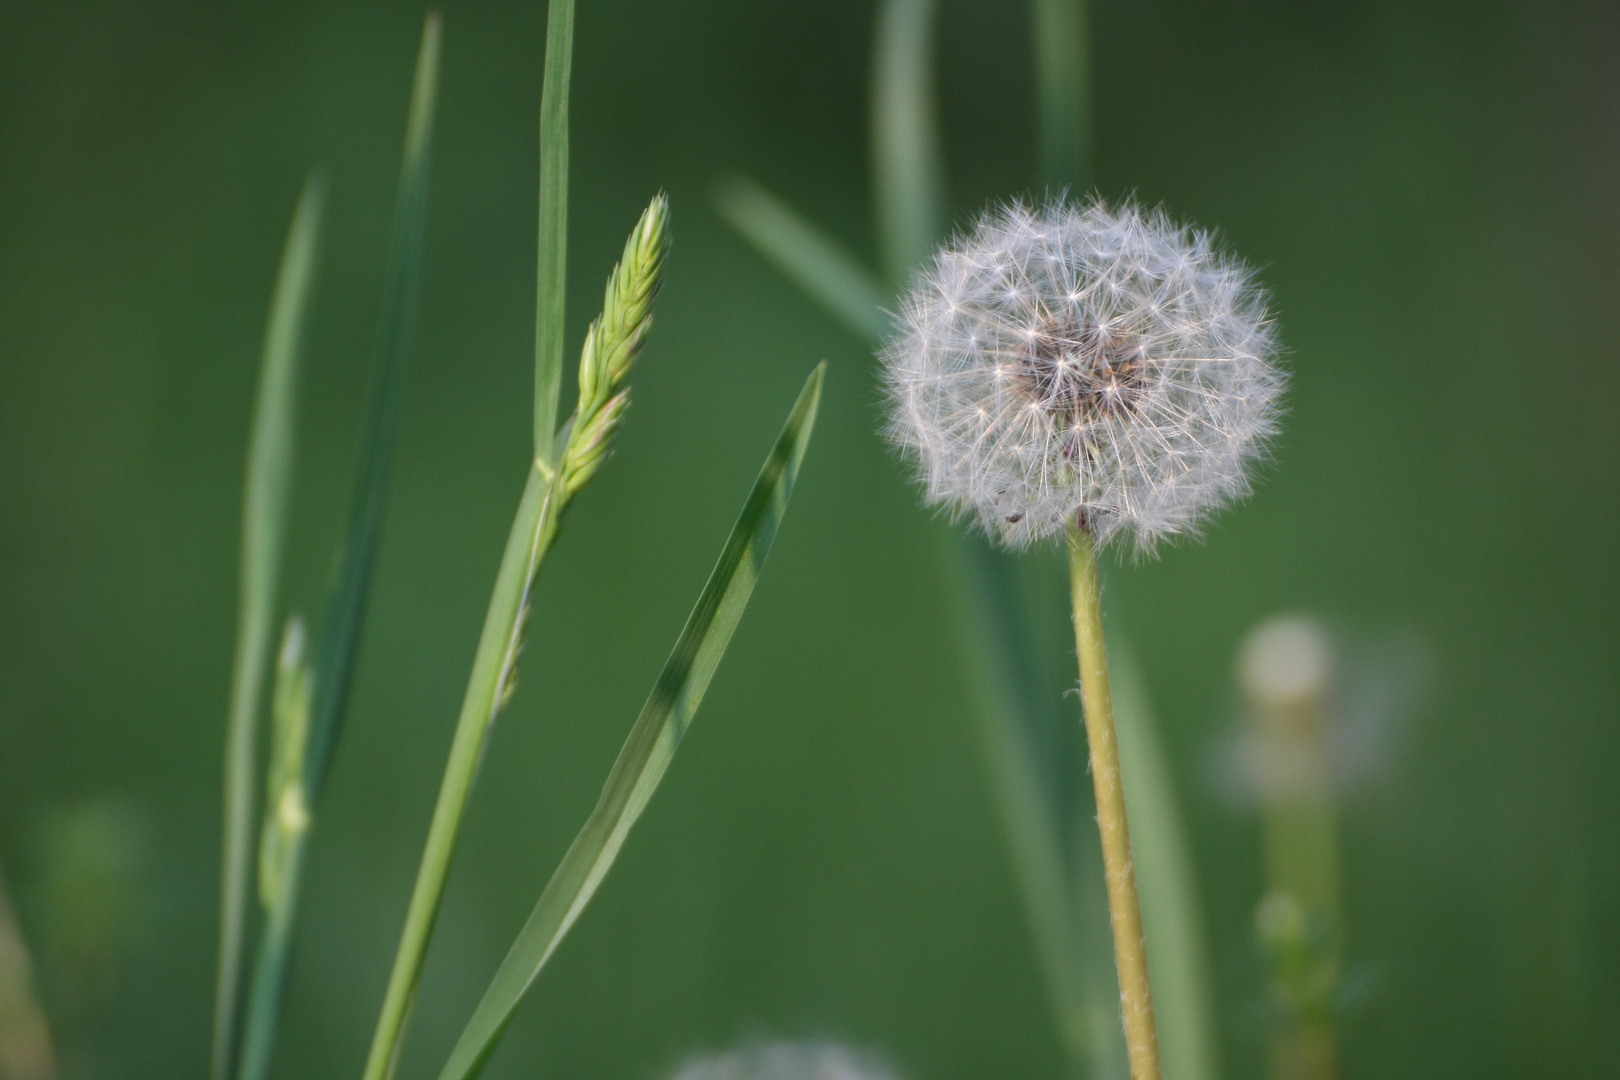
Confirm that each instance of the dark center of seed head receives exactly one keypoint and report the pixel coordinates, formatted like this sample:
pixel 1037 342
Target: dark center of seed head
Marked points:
pixel 1082 371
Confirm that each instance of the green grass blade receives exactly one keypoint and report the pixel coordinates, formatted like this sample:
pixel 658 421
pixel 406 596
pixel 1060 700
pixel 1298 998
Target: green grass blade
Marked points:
pixel 552 274
pixel 1063 93
pixel 1178 953
pixel 908 168
pixel 264 518
pixel 332 664
pixel 806 256
pixel 652 741
pixel 343 619
pixel 1032 750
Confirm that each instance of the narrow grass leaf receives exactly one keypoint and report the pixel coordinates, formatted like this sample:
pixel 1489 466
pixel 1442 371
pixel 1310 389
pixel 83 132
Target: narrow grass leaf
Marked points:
pixel 343 620
pixel 552 274
pixel 652 741
pixel 332 664
pixel 806 256
pixel 908 167
pixel 264 522
pixel 1178 952
pixel 1063 93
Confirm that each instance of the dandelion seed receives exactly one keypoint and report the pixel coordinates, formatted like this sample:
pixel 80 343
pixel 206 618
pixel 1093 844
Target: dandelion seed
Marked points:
pixel 1082 366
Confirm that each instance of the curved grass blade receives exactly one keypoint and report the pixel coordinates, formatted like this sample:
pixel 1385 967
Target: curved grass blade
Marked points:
pixel 1178 953
pixel 552 277
pixel 652 741
pixel 264 520
pixel 908 168
pixel 806 256
pixel 332 665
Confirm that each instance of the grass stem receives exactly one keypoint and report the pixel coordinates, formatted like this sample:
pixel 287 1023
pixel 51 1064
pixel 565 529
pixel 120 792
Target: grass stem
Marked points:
pixel 1130 948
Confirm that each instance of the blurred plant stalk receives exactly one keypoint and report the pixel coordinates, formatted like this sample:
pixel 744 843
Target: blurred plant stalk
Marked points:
pixel 1286 672
pixel 25 1039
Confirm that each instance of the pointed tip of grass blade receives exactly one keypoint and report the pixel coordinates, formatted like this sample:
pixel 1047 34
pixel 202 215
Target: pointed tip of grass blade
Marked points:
pixel 652 742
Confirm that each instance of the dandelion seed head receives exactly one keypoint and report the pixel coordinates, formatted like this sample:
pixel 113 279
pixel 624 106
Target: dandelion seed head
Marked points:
pixel 786 1061
pixel 1083 365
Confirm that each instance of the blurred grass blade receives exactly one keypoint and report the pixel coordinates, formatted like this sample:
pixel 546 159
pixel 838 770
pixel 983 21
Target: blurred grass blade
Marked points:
pixel 1178 953
pixel 652 741
pixel 264 519
pixel 1063 93
pixel 1037 777
pixel 908 169
pixel 333 661
pixel 332 665
pixel 26 1052
pixel 806 256
pixel 552 274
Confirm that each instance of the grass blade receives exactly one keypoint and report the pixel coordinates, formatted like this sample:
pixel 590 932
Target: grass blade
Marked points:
pixel 1063 93
pixel 332 665
pixel 652 741
pixel 264 520
pixel 908 168
pixel 341 625
pixel 552 275
pixel 806 256
pixel 26 1052
pixel 1178 953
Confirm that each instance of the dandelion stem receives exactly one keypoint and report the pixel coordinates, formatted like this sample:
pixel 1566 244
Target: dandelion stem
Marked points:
pixel 1130 949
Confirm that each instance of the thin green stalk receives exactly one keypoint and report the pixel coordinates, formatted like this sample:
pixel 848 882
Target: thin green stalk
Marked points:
pixel 552 278
pixel 1130 947
pixel 264 519
pixel 332 666
pixel 908 168
pixel 611 346
pixel 1063 91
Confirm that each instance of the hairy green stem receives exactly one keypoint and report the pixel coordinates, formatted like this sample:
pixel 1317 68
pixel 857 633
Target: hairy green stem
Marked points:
pixel 1130 947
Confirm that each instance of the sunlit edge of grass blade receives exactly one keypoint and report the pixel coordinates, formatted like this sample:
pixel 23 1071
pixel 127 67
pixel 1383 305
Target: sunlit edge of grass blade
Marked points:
pixel 1178 951
pixel 551 278
pixel 805 255
pixel 333 661
pixel 264 517
pixel 908 168
pixel 652 741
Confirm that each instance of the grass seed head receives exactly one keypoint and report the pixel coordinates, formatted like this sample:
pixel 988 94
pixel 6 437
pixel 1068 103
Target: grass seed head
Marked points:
pixel 1083 365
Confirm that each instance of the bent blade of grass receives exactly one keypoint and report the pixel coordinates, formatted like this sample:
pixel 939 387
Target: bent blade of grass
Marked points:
pixel 1178 952
pixel 908 167
pixel 652 741
pixel 805 255
pixel 552 273
pixel 332 664
pixel 264 520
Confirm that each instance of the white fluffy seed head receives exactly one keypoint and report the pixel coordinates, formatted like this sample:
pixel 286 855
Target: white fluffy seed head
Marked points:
pixel 786 1061
pixel 1083 365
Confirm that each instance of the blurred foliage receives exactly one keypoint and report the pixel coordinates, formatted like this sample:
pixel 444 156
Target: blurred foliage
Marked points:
pixel 1429 190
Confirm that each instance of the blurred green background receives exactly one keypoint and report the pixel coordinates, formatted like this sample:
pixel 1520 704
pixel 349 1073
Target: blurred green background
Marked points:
pixel 1429 190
